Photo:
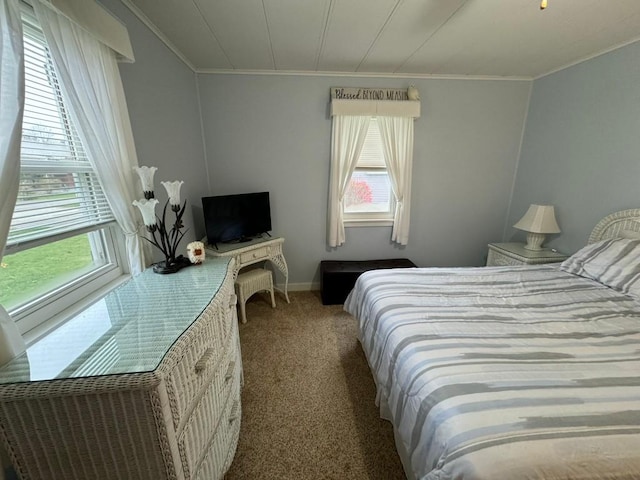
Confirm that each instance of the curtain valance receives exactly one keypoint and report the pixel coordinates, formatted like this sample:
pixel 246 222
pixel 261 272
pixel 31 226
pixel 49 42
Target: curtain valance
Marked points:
pixel 98 22
pixel 375 108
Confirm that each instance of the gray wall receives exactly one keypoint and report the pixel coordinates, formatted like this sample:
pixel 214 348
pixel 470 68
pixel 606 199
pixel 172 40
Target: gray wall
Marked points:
pixel 581 149
pixel 268 132
pixel 164 110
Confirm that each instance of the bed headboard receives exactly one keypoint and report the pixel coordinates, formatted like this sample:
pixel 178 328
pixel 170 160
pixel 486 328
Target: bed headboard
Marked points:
pixel 625 223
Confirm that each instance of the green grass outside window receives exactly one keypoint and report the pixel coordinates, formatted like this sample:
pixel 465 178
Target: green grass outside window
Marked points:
pixel 30 273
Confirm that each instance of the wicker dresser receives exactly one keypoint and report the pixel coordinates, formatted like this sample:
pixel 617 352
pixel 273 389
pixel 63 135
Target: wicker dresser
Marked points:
pixel 143 385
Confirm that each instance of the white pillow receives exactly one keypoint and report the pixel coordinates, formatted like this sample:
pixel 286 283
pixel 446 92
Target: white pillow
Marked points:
pixel 614 262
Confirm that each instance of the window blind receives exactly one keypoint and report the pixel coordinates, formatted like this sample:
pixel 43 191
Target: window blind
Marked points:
pixel 59 192
pixel 371 155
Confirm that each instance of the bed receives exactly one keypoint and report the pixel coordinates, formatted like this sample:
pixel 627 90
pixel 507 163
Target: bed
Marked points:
pixel 511 372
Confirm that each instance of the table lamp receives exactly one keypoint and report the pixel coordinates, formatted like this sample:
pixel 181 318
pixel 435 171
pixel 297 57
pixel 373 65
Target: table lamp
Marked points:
pixel 538 221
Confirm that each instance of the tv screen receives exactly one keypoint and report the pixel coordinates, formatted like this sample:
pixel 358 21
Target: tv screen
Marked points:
pixel 236 217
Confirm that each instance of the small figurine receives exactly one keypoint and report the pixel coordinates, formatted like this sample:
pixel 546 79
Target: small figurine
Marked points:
pixel 195 252
pixel 412 93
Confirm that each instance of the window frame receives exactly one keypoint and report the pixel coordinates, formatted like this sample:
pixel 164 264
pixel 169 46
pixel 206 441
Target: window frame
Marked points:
pixel 48 306
pixel 41 313
pixel 371 219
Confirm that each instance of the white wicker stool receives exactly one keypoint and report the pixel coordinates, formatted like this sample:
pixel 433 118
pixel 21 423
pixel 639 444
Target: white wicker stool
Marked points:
pixel 250 282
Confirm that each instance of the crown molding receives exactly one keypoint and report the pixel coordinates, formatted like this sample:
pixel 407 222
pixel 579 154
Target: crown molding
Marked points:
pixel 304 73
pixel 156 31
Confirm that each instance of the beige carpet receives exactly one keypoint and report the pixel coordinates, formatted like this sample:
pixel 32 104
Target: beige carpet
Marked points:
pixel 308 398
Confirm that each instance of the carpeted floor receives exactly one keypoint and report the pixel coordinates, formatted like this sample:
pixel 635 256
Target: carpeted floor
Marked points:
pixel 308 398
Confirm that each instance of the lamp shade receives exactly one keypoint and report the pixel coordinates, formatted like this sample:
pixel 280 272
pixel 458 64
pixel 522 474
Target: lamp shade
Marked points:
pixel 539 219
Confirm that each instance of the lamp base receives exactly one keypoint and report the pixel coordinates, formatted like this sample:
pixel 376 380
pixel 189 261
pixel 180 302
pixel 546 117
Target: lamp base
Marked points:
pixel 534 241
pixel 177 265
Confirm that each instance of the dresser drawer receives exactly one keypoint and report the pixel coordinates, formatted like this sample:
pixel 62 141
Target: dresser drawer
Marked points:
pixel 209 345
pixel 210 419
pixel 256 255
pixel 517 254
pixel 495 259
pixel 222 448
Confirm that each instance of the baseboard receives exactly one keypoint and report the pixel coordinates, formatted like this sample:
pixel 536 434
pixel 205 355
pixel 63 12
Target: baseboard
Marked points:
pixel 302 287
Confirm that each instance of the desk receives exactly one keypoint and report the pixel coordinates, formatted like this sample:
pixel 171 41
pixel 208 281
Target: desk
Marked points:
pixel 144 384
pixel 255 251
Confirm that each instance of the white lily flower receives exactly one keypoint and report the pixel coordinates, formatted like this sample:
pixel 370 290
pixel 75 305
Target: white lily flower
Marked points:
pixel 148 211
pixel 173 191
pixel 146 178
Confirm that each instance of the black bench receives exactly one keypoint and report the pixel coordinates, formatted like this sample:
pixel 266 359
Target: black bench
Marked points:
pixel 337 277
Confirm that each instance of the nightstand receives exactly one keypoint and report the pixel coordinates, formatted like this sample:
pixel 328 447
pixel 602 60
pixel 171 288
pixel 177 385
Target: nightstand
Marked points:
pixel 515 254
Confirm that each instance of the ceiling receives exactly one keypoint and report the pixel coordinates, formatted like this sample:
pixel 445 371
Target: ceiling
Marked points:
pixel 495 38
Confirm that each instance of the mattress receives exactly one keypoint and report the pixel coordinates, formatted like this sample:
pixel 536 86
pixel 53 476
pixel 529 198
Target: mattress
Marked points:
pixel 504 373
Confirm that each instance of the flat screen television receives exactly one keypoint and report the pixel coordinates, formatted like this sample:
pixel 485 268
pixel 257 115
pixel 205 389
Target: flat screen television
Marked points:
pixel 240 217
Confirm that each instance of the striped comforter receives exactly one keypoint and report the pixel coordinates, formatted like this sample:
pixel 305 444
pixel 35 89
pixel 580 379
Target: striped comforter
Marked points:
pixel 504 373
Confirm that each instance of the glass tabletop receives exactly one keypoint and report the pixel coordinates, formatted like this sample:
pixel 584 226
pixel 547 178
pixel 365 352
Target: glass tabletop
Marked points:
pixel 127 331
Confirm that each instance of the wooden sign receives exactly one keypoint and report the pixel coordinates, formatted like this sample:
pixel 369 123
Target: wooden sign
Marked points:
pixel 349 93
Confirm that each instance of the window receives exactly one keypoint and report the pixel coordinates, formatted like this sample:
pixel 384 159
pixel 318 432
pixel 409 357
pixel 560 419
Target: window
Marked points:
pixel 369 197
pixel 61 245
pixel 351 124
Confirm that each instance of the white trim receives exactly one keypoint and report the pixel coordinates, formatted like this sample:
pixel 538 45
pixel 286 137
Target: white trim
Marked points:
pixel 38 242
pixel 156 31
pixel 302 287
pixel 205 156
pixel 303 73
pixel 517 167
pixel 368 222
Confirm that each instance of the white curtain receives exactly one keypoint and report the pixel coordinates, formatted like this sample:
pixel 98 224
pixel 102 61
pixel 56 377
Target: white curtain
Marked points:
pixel 397 144
pixel 91 82
pixel 347 138
pixel 11 109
